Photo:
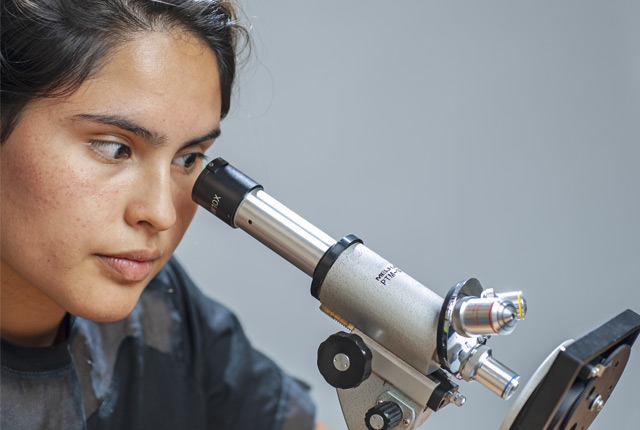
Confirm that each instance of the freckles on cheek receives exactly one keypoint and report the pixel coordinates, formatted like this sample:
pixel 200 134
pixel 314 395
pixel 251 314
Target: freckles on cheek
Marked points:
pixel 32 190
pixel 69 195
pixel 47 190
pixel 79 187
pixel 96 202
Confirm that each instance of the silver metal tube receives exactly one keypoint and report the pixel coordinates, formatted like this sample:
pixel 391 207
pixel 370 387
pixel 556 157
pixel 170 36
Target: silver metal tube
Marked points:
pixel 497 377
pixel 282 230
pixel 481 366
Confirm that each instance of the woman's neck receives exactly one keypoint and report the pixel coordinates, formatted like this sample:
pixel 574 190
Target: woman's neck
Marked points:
pixel 27 316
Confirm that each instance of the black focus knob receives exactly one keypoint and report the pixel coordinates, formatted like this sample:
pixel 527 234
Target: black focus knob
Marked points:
pixel 344 360
pixel 384 416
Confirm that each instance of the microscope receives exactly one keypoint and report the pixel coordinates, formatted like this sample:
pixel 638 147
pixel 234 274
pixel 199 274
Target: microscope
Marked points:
pixel 404 347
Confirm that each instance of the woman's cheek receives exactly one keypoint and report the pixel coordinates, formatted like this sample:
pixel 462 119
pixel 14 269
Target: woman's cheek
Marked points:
pixel 185 211
pixel 86 192
pixel 187 208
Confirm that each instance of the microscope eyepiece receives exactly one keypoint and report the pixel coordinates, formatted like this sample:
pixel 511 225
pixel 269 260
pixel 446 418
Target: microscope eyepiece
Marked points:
pixel 242 203
pixel 221 188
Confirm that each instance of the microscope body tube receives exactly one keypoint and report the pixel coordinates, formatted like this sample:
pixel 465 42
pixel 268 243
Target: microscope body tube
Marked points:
pixel 357 285
pixel 360 287
pixel 385 303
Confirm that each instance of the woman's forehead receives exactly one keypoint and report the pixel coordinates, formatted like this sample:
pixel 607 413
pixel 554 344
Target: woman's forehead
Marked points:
pixel 160 52
pixel 161 79
pixel 159 61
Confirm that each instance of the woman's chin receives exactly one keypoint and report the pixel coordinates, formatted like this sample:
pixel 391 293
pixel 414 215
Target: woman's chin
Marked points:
pixel 106 311
pixel 105 315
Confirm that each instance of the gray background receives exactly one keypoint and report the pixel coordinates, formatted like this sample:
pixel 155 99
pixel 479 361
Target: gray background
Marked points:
pixel 492 139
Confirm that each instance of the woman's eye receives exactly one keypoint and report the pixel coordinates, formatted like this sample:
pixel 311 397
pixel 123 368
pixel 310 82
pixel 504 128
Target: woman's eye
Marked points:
pixel 111 150
pixel 188 161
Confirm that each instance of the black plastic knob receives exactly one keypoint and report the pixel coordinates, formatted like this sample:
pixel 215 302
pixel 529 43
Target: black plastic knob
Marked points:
pixel 344 360
pixel 384 416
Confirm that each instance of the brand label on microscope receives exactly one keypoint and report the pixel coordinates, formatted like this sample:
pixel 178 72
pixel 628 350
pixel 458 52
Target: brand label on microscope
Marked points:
pixel 215 202
pixel 388 274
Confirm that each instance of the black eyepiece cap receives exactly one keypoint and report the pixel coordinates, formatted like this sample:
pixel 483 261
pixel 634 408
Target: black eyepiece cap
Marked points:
pixel 221 188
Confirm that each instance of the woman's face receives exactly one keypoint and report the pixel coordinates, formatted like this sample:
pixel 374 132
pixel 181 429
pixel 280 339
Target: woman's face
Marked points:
pixel 96 187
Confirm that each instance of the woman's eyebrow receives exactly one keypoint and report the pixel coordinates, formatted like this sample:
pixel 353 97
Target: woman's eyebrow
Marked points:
pixel 131 126
pixel 213 134
pixel 123 123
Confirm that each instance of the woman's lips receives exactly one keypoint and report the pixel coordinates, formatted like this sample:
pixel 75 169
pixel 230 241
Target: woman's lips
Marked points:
pixel 129 268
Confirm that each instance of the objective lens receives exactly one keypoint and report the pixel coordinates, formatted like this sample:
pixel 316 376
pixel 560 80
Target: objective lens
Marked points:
pixel 497 377
pixel 518 301
pixel 475 316
pixel 481 366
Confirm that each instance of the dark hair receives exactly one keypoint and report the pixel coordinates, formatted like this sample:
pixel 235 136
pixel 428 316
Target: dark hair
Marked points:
pixel 50 47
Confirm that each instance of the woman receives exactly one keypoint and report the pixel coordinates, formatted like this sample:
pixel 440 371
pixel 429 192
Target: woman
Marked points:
pixel 107 110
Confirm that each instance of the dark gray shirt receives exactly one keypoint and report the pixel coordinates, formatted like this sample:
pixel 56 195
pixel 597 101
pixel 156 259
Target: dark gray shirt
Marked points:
pixel 178 361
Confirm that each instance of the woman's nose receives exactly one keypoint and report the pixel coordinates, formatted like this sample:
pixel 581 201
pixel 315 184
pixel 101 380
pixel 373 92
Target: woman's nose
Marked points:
pixel 152 203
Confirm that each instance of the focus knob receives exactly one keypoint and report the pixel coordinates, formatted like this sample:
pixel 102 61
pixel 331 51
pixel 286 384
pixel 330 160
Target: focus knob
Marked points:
pixel 344 360
pixel 384 416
